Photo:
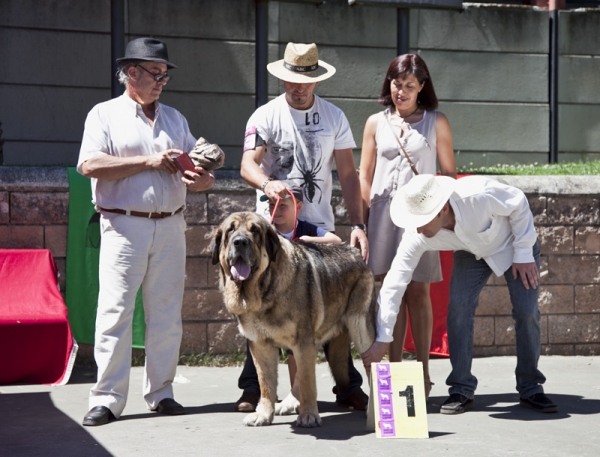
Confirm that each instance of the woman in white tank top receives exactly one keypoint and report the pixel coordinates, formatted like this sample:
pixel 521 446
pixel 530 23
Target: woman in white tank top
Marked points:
pixel 411 119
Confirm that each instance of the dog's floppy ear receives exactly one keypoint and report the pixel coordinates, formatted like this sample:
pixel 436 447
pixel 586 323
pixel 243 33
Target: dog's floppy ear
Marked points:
pixel 216 245
pixel 273 243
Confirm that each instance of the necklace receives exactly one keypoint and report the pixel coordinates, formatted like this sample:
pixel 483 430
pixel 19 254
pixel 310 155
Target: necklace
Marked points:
pixel 405 117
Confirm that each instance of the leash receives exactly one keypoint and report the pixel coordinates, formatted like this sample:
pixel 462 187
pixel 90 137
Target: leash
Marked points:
pixel 289 191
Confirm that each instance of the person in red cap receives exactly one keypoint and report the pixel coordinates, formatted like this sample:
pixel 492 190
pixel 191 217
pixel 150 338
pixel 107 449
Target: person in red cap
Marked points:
pixel 284 212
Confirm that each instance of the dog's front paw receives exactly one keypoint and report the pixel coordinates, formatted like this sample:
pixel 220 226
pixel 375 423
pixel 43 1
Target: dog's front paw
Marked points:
pixel 308 420
pixel 289 405
pixel 256 420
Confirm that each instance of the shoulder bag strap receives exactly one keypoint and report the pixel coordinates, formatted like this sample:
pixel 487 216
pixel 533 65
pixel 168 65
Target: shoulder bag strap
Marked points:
pixel 412 165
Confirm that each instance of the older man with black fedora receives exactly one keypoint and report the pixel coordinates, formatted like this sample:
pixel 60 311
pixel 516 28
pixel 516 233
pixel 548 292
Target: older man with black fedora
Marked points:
pixel 296 138
pixel 128 150
pixel 489 226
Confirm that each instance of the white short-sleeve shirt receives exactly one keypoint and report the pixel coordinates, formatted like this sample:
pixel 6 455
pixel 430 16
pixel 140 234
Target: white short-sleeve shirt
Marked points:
pixel 118 127
pixel 299 148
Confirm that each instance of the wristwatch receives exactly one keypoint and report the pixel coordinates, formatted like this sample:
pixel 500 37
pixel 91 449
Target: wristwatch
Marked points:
pixel 362 227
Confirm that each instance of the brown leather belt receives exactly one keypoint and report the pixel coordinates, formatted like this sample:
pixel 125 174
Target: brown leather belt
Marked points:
pixel 146 215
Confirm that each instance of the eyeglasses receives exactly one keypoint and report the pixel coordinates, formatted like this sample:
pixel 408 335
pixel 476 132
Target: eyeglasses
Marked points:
pixel 159 77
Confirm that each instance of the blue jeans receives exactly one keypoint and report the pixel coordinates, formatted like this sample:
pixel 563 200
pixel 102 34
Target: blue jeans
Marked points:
pixel 469 275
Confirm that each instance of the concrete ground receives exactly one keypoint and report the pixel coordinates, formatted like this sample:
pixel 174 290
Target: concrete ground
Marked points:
pixel 38 420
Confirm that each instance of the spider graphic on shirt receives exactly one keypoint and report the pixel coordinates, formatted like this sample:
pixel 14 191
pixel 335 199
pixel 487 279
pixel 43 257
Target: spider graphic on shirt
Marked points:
pixel 309 177
pixel 309 167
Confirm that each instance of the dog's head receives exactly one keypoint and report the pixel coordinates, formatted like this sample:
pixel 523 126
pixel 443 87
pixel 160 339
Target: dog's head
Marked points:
pixel 244 244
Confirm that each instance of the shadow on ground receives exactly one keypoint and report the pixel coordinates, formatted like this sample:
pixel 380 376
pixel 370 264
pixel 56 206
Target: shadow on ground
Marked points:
pixel 345 424
pixel 31 426
pixel 506 406
pixel 340 423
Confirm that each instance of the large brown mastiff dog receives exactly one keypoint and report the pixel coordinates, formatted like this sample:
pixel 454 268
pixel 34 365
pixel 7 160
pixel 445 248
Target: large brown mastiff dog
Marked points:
pixel 296 296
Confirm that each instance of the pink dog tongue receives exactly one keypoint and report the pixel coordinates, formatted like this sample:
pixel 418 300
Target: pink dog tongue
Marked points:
pixel 240 271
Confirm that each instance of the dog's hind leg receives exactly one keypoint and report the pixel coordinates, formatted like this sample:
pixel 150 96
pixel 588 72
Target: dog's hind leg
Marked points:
pixel 266 357
pixel 290 404
pixel 306 357
pixel 362 318
pixel 337 357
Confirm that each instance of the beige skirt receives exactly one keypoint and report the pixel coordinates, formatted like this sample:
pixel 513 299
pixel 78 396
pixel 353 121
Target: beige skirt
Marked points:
pixel 384 239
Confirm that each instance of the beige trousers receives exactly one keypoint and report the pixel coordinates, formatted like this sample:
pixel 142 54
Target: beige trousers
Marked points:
pixel 138 252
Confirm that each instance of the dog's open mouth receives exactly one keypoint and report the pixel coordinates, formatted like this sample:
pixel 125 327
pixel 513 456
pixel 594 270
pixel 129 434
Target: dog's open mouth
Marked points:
pixel 240 270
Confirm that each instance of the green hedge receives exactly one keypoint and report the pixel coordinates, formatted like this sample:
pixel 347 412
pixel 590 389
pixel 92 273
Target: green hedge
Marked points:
pixel 570 168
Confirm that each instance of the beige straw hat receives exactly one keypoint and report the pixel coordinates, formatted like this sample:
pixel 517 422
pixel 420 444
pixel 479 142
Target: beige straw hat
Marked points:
pixel 301 64
pixel 420 200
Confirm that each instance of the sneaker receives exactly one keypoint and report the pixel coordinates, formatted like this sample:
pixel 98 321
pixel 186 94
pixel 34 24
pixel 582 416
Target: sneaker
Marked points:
pixel 356 400
pixel 540 403
pixel 247 402
pixel 456 404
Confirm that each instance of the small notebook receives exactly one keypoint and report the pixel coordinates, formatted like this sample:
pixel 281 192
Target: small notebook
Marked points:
pixel 184 162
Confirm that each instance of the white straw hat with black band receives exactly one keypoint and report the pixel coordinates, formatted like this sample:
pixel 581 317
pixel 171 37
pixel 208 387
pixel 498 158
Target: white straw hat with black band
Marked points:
pixel 301 64
pixel 420 200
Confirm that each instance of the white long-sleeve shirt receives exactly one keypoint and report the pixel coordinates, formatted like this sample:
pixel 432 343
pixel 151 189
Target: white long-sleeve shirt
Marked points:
pixel 493 222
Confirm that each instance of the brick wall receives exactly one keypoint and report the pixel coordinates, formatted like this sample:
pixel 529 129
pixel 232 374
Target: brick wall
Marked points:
pixel 34 209
pixel 34 214
pixel 34 205
pixel 567 218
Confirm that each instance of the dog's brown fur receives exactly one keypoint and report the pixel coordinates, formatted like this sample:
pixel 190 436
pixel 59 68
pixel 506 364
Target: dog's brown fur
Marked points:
pixel 296 296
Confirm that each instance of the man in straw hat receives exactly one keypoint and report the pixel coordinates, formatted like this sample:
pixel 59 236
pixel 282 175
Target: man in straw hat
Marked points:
pixel 490 227
pixel 140 197
pixel 296 138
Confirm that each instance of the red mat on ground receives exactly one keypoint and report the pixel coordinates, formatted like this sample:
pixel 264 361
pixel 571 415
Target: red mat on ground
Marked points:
pixel 440 297
pixel 36 345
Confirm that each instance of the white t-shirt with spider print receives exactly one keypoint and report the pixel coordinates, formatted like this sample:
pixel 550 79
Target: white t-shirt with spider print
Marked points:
pixel 299 149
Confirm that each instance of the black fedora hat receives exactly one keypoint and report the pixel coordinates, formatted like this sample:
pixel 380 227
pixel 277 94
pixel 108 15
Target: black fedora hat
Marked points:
pixel 149 49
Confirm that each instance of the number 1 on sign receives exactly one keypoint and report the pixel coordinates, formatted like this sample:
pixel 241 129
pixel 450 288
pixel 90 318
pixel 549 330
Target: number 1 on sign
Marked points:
pixel 397 407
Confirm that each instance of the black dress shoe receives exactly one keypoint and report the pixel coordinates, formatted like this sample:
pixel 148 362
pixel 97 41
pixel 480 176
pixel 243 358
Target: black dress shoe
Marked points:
pixel 539 402
pixel 247 402
pixel 357 400
pixel 170 407
pixel 456 404
pixel 98 415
